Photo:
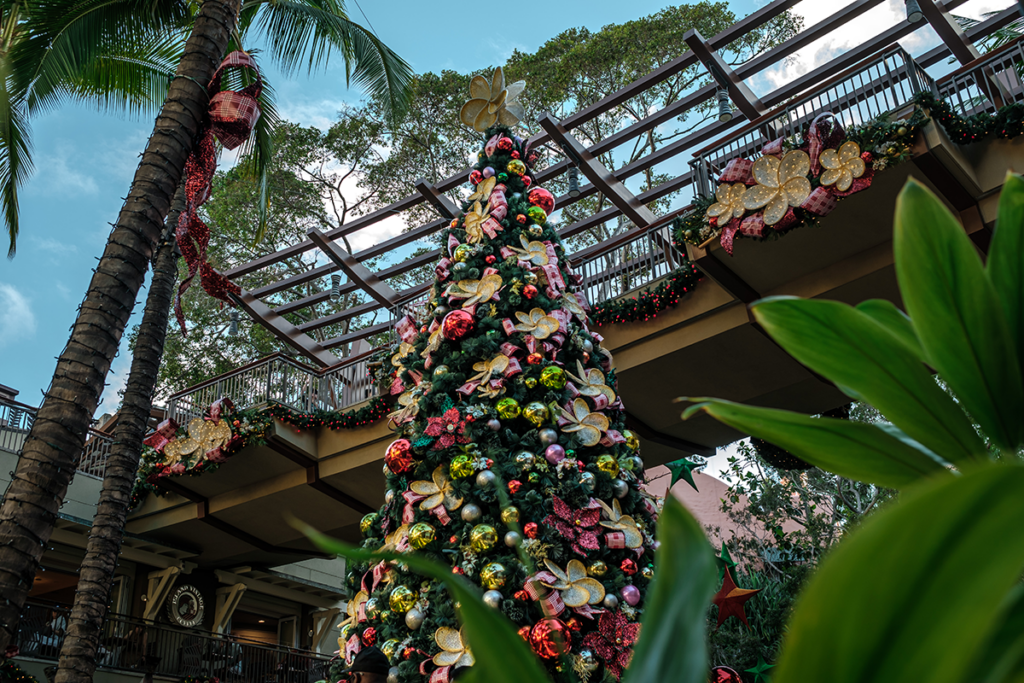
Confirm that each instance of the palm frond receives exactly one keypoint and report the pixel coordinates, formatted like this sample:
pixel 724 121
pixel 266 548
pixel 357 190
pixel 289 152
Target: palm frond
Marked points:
pixel 258 156
pixel 307 32
pixel 15 156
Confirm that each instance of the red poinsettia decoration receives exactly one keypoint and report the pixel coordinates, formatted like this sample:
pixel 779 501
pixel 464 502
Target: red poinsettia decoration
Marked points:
pixel 448 429
pixel 613 641
pixel 578 526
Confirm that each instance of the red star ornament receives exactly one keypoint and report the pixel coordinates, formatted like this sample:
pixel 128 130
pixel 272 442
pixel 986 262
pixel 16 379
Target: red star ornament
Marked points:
pixel 730 600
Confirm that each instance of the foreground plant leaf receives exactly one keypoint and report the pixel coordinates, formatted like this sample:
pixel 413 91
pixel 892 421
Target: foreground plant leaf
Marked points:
pixel 1006 259
pixel 869 363
pixel 957 315
pixel 915 593
pixel 850 449
pixel 885 313
pixel 501 655
pixel 672 643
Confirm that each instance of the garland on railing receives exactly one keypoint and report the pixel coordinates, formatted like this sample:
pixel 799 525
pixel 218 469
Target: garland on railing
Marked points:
pixel 879 144
pixel 648 303
pixel 1008 122
pixel 377 409
pixel 12 673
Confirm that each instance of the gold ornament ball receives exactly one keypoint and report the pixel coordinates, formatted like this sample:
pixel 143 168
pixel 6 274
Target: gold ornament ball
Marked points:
pixel 373 608
pixel 462 253
pixel 530 382
pixel 508 408
pixel 536 412
pixel 509 515
pixel 492 576
pixel 553 377
pixel 647 573
pixel 632 440
pixel 608 464
pixel 367 522
pixel 482 538
pixel 530 277
pixel 346 631
pixel 421 535
pixel 461 467
pixel 402 599
pixel 902 130
pixel 516 167
pixel 597 568
pixel 440 371
pixel 389 648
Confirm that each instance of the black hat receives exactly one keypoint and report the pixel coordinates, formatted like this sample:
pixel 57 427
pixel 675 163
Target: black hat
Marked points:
pixel 369 660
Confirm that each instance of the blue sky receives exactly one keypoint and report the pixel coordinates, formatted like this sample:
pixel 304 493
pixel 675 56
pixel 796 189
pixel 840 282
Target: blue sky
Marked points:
pixel 85 160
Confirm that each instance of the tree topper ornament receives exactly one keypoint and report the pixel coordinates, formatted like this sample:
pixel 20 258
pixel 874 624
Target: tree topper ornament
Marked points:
pixel 492 102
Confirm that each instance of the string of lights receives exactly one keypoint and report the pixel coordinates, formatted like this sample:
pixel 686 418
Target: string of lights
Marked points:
pixel 650 302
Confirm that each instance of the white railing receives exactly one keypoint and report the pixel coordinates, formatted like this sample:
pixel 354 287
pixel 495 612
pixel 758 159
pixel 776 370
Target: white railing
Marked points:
pixel 16 421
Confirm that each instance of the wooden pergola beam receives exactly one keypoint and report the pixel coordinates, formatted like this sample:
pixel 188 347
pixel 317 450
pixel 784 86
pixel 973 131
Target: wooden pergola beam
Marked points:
pixel 949 31
pixel 437 199
pixel 356 271
pixel 284 330
pixel 744 98
pixel 603 179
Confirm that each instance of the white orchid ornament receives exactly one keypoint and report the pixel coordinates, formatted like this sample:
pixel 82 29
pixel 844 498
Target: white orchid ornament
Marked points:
pixel 438 492
pixel 492 102
pixel 575 587
pixel 622 523
pixel 454 648
pixel 842 166
pixel 780 184
pixel 588 426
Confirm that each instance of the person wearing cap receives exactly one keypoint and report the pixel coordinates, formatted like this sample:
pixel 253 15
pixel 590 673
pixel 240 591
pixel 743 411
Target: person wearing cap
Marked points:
pixel 369 666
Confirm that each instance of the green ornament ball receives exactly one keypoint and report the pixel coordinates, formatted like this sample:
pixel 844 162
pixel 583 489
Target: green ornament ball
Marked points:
pixel 553 377
pixel 508 408
pixel 537 215
pixel 367 523
pixel 502 177
pixel 461 467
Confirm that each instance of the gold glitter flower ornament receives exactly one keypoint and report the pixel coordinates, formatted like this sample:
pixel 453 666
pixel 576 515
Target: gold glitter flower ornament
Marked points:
pixel 591 383
pixel 454 648
pixel 438 492
pixel 843 166
pixel 780 184
pixel 576 588
pixel 475 219
pixel 484 189
pixel 492 102
pixel 537 323
pixel 588 426
pixel 535 252
pixel 352 610
pixel 475 291
pixel 203 436
pixel 729 204
pixel 623 523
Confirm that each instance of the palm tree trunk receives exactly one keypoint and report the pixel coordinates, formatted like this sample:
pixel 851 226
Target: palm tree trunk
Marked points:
pixel 55 442
pixel 78 652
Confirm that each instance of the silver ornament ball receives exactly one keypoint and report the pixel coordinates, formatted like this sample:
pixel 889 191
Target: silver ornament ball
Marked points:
pixel 588 481
pixel 393 675
pixel 470 513
pixel 485 479
pixel 492 599
pixel 619 488
pixel 610 601
pixel 513 539
pixel 413 619
pixel 389 496
pixel 525 460
pixel 638 464
pixel 493 424
pixel 588 346
pixel 548 436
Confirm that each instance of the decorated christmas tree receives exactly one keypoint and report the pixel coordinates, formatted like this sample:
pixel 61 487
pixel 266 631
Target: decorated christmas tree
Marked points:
pixel 512 463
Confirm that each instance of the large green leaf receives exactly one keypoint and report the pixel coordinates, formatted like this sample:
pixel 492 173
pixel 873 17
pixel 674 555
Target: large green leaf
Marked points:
pixel 1006 259
pixel 1002 659
pixel 885 313
pixel 850 449
pixel 915 593
pixel 501 655
pixel 957 315
pixel 871 364
pixel 672 643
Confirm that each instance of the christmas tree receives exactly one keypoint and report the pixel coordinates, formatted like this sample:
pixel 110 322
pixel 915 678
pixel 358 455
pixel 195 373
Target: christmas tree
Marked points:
pixel 513 464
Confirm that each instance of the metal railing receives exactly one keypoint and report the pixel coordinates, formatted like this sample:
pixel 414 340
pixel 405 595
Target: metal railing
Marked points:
pixel 988 83
pixel 131 644
pixel 16 421
pixel 280 379
pixel 879 85
pixel 630 265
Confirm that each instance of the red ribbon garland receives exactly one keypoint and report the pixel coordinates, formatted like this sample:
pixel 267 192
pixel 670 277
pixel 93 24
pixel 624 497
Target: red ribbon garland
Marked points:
pixel 230 118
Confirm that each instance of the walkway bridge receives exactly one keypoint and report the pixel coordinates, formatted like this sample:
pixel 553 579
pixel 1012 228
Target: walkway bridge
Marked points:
pixel 707 345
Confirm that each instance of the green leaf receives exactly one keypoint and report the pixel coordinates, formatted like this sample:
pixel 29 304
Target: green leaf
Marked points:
pixel 957 315
pixel 672 643
pixel 915 592
pixel 850 449
pixel 501 655
pixel 682 469
pixel 1006 259
pixel 870 364
pixel 885 313
pixel 1002 659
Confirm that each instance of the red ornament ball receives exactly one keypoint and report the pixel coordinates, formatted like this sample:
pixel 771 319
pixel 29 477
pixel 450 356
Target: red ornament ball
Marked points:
pixel 398 457
pixel 723 674
pixel 453 539
pixel 573 623
pixel 530 529
pixel 550 638
pixel 526 180
pixel 521 595
pixel 524 633
pixel 369 636
pixel 456 325
pixel 505 144
pixel 538 196
pixel 515 486
pixel 521 219
pixel 534 358
pixel 475 177
pixel 515 154
pixel 490 259
pixel 628 566
pixel 529 291
pixel 458 570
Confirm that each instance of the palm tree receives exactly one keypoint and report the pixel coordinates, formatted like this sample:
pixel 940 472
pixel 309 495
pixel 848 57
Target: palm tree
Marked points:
pixel 55 442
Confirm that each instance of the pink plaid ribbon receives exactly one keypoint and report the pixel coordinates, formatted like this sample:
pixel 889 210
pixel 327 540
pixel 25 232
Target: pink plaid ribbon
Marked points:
pixel 497 203
pixel 443 268
pixel 352 647
pixel 221 406
pixel 409 512
pixel 738 170
pixel 492 227
pixel 615 540
pixel 753 226
pixel 773 148
pixel 163 435
pixel 491 146
pixel 821 202
pixel 234 114
pixel 612 437
pixel 825 131
pixel 406 329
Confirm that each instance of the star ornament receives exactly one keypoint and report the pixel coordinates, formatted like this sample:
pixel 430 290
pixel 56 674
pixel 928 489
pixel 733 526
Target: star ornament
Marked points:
pixel 761 670
pixel 730 600
pixel 780 184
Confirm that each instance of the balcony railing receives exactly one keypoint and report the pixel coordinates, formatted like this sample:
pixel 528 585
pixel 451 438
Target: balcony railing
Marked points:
pixel 131 644
pixel 881 84
pixel 988 83
pixel 16 420
pixel 637 261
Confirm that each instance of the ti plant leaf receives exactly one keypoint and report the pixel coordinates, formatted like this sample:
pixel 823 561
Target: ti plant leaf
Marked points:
pixel 1006 259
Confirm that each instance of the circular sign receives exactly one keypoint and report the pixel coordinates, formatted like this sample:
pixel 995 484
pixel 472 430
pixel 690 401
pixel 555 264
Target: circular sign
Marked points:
pixel 185 606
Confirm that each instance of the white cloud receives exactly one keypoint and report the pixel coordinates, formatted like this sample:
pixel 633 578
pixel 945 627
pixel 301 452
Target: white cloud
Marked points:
pixel 319 114
pixel 57 174
pixel 17 320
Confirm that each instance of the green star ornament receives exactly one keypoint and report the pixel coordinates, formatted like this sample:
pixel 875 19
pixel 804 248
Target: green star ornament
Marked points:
pixel 682 469
pixel 724 562
pixel 761 671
